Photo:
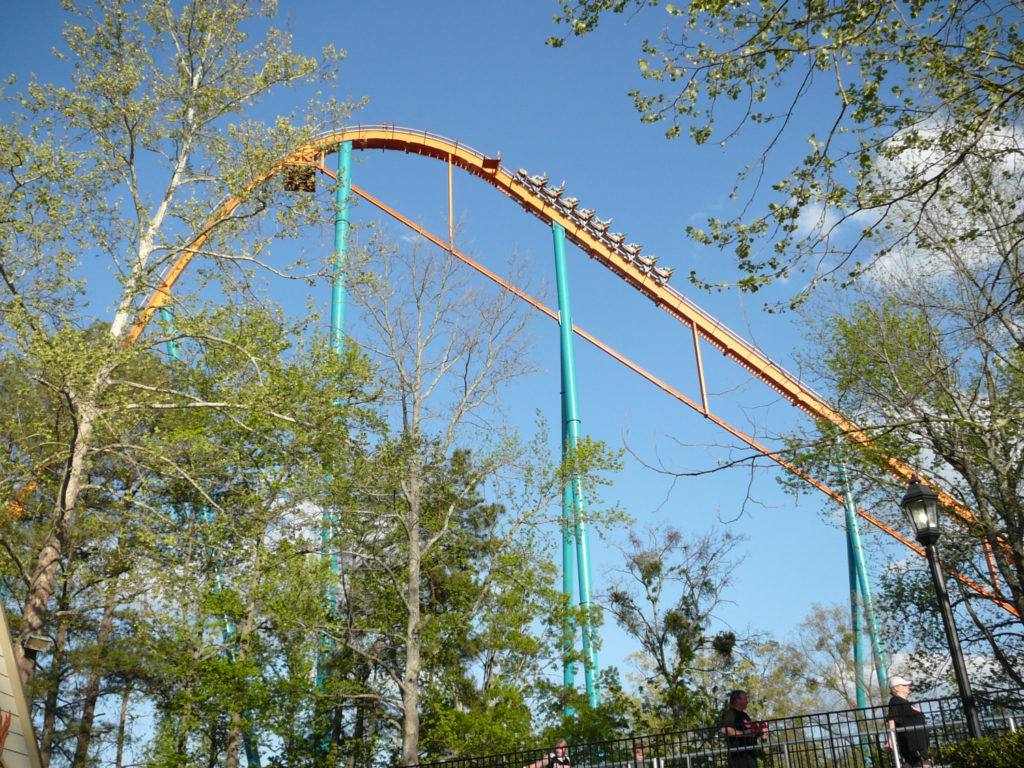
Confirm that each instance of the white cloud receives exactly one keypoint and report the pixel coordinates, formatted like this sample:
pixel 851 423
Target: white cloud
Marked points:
pixel 816 220
pixel 964 215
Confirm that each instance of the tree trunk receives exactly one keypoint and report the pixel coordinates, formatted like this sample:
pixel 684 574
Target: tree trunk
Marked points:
pixel 122 728
pixel 410 686
pixel 214 738
pixel 234 742
pixel 92 687
pixel 413 650
pixel 185 724
pixel 52 701
pixel 40 590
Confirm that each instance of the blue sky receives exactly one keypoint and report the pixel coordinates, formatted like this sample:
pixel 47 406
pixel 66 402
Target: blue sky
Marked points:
pixel 479 71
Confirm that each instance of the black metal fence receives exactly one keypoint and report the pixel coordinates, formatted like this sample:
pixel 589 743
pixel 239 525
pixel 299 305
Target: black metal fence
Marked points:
pixel 854 738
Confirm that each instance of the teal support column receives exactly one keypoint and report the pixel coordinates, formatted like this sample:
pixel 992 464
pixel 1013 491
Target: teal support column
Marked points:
pixel 568 581
pixel 339 279
pixel 855 621
pixel 343 193
pixel 857 554
pixel 568 525
pixel 172 344
pixel 575 516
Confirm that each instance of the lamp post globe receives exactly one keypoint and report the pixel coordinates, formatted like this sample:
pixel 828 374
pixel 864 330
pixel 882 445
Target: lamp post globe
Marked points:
pixel 920 504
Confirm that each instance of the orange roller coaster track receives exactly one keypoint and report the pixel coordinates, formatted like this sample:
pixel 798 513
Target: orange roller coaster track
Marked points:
pixel 590 239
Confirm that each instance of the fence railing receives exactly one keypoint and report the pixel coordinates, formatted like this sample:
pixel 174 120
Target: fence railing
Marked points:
pixel 853 738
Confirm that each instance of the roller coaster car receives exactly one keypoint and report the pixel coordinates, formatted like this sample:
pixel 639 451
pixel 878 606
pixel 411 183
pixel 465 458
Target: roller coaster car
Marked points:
pixel 632 249
pixel 568 203
pixel 616 237
pixel 585 214
pixel 553 193
pixel 646 263
pixel 539 181
pixel 601 225
pixel 662 274
pixel 521 175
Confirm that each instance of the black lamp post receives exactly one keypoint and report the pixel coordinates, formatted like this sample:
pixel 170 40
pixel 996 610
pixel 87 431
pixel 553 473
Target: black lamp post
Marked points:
pixel 921 506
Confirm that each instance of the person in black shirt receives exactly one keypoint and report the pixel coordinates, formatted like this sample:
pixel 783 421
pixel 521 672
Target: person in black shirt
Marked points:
pixel 907 729
pixel 741 734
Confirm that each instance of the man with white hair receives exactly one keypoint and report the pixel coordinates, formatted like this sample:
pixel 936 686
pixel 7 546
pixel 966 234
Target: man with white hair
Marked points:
pixel 907 730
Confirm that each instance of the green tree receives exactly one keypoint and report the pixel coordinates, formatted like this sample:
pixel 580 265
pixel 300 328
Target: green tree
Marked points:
pixel 568 715
pixel 767 669
pixel 483 596
pixel 824 642
pixel 666 601
pixel 199 520
pixel 471 662
pixel 240 539
pixel 123 167
pixel 90 586
pixel 929 359
pixel 445 563
pixel 860 84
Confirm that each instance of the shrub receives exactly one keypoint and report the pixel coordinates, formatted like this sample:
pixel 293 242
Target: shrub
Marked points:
pixel 1003 751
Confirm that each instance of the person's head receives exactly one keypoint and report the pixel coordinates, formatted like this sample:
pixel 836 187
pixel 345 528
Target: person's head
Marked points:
pixel 738 700
pixel 638 749
pixel 899 686
pixel 561 746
